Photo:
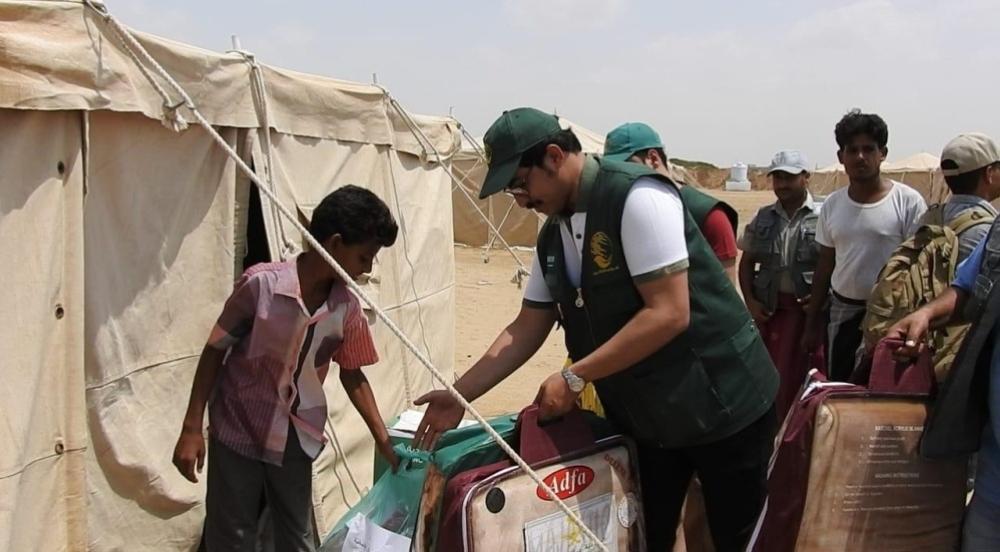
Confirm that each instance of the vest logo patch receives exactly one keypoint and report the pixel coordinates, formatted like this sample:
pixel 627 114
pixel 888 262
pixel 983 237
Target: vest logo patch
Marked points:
pixel 602 251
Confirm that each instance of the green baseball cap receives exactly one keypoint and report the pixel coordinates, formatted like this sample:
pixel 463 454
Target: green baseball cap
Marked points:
pixel 515 132
pixel 629 138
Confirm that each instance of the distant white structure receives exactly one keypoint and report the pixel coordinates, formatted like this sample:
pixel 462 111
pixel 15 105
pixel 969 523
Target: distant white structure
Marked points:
pixel 738 181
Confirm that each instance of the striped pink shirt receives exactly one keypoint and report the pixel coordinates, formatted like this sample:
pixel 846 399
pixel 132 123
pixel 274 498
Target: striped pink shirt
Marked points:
pixel 279 355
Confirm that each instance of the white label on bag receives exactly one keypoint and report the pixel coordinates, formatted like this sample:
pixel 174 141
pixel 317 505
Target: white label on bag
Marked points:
pixel 556 533
pixel 365 536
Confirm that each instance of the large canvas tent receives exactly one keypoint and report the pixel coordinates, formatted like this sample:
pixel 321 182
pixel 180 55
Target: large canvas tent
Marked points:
pixel 122 239
pixel 921 171
pixel 519 227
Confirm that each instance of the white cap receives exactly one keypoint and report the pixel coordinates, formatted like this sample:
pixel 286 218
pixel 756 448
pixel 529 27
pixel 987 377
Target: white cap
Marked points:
pixel 968 152
pixel 789 161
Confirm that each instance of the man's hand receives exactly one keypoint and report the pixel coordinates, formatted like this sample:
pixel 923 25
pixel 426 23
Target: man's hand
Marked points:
pixel 811 336
pixel 385 449
pixel 189 454
pixel 757 310
pixel 912 331
pixel 443 413
pixel 555 397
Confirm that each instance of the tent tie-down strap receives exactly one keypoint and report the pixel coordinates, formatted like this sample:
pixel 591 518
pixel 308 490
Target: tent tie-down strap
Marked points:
pixel 140 55
pixel 521 272
pixel 426 144
pixel 482 157
pixel 258 91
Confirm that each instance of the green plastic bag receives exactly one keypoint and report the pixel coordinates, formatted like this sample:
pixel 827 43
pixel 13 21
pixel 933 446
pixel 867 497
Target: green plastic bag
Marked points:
pixel 393 504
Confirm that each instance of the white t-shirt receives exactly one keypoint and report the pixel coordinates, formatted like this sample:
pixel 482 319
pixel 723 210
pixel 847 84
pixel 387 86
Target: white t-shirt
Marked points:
pixel 866 234
pixel 652 237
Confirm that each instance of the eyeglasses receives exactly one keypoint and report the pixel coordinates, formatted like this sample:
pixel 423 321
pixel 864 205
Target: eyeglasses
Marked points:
pixel 518 186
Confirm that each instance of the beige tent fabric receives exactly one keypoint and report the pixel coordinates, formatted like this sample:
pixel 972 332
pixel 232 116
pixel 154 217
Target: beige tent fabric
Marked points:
pixel 42 430
pixel 159 241
pixel 93 401
pixel 419 298
pixel 83 67
pixel 920 171
pixel 520 229
pixel 917 162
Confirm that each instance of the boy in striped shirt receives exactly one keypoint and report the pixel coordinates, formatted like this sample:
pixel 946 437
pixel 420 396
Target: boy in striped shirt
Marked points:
pixel 264 366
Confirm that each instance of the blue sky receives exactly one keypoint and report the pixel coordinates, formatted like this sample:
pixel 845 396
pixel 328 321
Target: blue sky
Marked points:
pixel 721 81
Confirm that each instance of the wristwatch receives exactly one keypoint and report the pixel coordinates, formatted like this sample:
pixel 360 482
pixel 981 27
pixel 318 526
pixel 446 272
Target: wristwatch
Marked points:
pixel 575 382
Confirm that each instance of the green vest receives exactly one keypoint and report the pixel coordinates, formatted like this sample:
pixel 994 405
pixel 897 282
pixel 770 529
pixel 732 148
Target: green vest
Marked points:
pixel 700 203
pixel 709 382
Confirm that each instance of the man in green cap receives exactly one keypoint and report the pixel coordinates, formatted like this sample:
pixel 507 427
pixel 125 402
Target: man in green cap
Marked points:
pixel 717 220
pixel 650 318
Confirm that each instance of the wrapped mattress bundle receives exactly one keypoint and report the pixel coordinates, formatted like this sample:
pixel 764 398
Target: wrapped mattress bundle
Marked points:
pixel 847 474
pixel 468 495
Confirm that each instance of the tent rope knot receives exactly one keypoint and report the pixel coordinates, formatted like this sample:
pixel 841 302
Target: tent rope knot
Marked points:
pixel 172 118
pixel 519 276
pixel 291 249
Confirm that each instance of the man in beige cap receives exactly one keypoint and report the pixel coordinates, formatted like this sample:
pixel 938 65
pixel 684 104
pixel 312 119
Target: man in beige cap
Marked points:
pixel 971 167
pixel 966 413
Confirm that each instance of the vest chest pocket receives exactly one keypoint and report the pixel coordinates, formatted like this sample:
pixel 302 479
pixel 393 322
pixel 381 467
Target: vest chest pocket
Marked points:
pixel 989 274
pixel 981 290
pixel 806 248
pixel 613 298
pixel 762 236
pixel 763 283
pixel 669 402
pixel 991 253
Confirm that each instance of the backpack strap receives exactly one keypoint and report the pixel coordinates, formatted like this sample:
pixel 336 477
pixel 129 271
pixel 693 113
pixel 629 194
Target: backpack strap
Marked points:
pixel 970 218
pixel 933 216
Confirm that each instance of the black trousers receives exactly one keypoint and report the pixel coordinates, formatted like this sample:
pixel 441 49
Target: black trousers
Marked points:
pixel 236 487
pixel 733 474
pixel 845 337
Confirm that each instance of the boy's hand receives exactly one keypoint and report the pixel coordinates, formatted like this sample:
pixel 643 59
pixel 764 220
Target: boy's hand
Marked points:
pixel 385 449
pixel 189 454
pixel 443 413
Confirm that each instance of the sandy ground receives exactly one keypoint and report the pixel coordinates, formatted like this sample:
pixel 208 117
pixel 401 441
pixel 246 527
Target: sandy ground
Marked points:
pixel 487 301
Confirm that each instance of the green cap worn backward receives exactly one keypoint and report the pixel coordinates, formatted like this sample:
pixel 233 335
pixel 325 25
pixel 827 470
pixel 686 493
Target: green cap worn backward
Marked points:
pixel 629 138
pixel 515 132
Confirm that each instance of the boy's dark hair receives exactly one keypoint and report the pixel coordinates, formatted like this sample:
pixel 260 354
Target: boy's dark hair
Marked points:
pixel 566 140
pixel 966 182
pixel 856 123
pixel 358 215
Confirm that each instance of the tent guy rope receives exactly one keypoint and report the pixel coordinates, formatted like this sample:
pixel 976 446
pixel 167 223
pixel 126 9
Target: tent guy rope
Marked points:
pixel 425 143
pixel 139 55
